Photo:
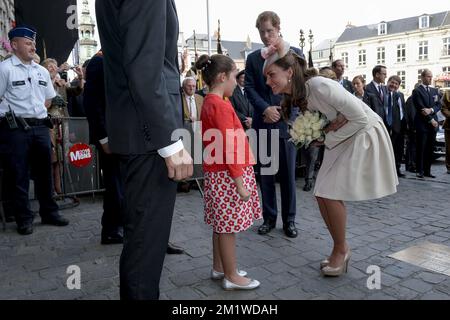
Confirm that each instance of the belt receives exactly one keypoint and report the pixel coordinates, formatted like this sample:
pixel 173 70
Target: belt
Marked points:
pixel 35 122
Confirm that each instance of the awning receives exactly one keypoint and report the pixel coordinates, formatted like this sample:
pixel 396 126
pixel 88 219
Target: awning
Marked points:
pixel 54 21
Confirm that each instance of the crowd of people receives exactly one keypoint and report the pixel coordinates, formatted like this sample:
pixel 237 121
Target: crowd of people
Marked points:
pixel 132 114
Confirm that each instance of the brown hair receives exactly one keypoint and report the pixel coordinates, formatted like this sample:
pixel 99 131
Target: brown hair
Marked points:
pixel 299 77
pixel 395 78
pixel 327 72
pixel 212 66
pixel 47 61
pixel 361 78
pixel 268 15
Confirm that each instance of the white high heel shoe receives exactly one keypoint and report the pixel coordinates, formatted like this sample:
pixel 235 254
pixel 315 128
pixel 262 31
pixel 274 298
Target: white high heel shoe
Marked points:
pixel 337 271
pixel 228 285
pixel 216 275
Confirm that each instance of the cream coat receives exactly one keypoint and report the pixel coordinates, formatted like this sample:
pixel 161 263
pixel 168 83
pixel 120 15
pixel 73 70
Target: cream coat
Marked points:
pixel 359 160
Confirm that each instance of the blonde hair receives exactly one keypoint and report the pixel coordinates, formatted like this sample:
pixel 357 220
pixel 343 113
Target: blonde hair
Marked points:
pixel 47 61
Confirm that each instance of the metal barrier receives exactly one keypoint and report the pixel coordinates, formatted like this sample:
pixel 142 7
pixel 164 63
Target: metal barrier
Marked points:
pixel 80 169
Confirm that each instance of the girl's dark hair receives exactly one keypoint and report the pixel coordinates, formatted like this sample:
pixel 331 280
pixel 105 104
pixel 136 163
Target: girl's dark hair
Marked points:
pixel 299 77
pixel 212 66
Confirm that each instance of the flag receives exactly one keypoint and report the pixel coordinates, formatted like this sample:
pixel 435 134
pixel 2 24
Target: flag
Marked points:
pixel 219 44
pixel 310 60
pixel 56 35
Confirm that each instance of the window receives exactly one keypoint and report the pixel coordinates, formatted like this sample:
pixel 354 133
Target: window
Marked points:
pixel 362 57
pixel 364 76
pixel 402 75
pixel 446 70
pixel 344 57
pixel 423 50
pixel 382 28
pixel 320 54
pixel 424 22
pixel 419 76
pixel 401 53
pixel 446 49
pixel 381 55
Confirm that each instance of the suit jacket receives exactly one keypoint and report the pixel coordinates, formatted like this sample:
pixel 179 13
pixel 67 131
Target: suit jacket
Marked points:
pixel 198 103
pixel 398 102
pixel 241 105
pixel 260 95
pixel 423 99
pixel 410 114
pixel 142 77
pixel 379 108
pixel 371 101
pixel 446 113
pixel 347 84
pixel 94 100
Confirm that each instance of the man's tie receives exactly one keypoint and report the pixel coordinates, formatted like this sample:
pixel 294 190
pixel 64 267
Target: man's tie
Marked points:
pixel 389 114
pixel 191 103
pixel 380 90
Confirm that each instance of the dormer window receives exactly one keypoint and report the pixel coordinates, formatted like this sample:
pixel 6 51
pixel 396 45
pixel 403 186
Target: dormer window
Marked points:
pixel 424 22
pixel 382 28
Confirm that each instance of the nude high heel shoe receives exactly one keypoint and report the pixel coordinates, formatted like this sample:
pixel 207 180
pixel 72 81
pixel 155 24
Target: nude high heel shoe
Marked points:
pixel 324 263
pixel 337 271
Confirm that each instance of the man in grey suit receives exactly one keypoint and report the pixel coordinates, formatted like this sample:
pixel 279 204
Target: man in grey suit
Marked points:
pixel 142 84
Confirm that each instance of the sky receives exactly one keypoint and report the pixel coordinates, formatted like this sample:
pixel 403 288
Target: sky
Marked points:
pixel 326 18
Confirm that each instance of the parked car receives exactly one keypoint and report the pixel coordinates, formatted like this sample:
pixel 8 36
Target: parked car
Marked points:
pixel 439 146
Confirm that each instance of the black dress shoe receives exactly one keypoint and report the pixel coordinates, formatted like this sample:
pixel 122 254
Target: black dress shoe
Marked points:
pixel 112 238
pixel 25 230
pixel 290 230
pixel 419 175
pixel 429 176
pixel 308 186
pixel 265 228
pixel 55 221
pixel 400 175
pixel 174 250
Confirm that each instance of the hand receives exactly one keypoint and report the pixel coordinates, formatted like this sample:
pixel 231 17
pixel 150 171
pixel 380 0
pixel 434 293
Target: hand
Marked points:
pixel 60 82
pixel 64 67
pixel 316 143
pixel 79 72
pixel 426 111
pixel 434 123
pixel 106 148
pixel 248 122
pixel 179 166
pixel 244 194
pixel 336 124
pixel 272 114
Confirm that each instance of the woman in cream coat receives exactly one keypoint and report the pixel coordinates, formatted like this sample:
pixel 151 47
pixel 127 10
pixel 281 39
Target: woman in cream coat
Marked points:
pixel 358 162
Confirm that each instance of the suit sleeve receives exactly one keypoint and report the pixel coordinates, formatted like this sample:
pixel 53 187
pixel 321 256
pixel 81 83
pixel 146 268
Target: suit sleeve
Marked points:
pixel 94 98
pixel 153 83
pixel 234 102
pixel 419 104
pixel 333 95
pixel 251 73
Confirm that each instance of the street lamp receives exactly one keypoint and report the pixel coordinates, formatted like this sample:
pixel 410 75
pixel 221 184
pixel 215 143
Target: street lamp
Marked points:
pixel 302 39
pixel 310 39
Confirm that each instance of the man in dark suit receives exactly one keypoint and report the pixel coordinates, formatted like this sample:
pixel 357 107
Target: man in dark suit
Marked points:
pixel 377 88
pixel 396 120
pixel 243 107
pixel 338 67
pixel 410 157
pixel 95 105
pixel 267 116
pixel 142 84
pixel 427 103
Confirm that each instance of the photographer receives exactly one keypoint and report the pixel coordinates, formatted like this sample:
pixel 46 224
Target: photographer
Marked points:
pixel 58 110
pixel 26 90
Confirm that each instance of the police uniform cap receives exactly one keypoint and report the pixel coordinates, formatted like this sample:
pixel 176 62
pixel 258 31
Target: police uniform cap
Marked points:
pixel 22 32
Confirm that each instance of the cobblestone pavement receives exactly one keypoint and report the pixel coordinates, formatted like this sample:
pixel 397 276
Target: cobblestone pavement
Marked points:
pixel 34 267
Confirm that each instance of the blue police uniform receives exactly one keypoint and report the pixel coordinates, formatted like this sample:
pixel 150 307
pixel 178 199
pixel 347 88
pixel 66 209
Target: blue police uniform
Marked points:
pixel 25 86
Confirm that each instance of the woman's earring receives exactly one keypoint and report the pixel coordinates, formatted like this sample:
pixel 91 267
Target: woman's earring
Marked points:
pixel 289 80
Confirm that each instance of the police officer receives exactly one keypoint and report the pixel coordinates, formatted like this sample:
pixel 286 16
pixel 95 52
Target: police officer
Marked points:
pixel 27 90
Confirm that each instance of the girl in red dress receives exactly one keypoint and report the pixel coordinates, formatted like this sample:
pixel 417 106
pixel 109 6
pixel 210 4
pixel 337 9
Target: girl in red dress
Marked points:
pixel 230 195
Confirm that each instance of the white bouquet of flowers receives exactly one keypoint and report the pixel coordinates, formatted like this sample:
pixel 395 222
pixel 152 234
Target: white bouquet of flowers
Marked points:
pixel 307 128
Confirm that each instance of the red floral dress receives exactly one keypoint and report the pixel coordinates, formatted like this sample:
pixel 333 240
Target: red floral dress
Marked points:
pixel 224 210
